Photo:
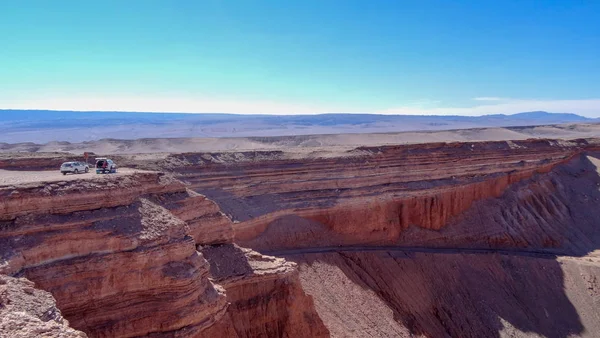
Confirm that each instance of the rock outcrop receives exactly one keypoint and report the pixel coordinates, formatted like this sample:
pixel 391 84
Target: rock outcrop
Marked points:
pixel 29 312
pixel 207 224
pixel 264 293
pixel 267 299
pixel 120 257
pixel 114 260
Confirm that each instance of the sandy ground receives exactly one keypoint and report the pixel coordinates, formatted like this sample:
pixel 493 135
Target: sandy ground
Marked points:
pixel 306 143
pixel 8 177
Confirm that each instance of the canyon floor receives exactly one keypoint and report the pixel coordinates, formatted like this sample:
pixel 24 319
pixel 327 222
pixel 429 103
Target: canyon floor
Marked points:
pixel 439 239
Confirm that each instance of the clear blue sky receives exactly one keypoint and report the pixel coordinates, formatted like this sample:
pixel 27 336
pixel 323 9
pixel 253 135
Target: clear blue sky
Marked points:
pixel 335 55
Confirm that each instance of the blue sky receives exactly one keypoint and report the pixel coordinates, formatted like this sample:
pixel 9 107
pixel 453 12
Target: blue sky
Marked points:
pixel 309 56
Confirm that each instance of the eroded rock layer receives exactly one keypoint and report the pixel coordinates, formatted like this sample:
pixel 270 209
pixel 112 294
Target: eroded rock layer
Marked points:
pixel 462 240
pixel 119 255
pixel 267 299
pixel 206 222
pixel 370 195
pixel 114 260
pixel 465 239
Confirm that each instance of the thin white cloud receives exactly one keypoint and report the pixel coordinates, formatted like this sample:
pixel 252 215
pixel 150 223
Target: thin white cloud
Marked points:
pixel 588 107
pixel 423 103
pixel 488 98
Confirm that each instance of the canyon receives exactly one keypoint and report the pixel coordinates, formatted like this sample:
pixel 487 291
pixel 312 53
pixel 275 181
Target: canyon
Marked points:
pixel 458 239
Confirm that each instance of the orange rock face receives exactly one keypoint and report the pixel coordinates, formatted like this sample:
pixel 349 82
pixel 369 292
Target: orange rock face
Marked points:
pixel 264 293
pixel 206 223
pixel 266 297
pixel 371 196
pixel 120 257
pixel 114 260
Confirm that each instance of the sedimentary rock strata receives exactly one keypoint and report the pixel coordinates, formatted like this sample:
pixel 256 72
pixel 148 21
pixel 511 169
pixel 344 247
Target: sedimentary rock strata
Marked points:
pixel 417 231
pixel 267 299
pixel 206 223
pixel 112 259
pixel 120 257
pixel 371 195
pixel 464 239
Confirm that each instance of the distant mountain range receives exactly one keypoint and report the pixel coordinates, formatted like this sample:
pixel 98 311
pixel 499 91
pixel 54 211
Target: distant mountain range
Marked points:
pixel 542 116
pixel 43 126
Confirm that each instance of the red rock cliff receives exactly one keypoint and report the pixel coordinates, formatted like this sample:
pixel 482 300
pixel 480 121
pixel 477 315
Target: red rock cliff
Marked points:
pixel 264 293
pixel 117 263
pixel 368 196
pixel 120 256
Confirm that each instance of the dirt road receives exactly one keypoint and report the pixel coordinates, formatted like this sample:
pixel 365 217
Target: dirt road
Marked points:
pixel 539 253
pixel 8 177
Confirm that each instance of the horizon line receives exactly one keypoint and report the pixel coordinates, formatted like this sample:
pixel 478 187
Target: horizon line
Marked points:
pixel 281 114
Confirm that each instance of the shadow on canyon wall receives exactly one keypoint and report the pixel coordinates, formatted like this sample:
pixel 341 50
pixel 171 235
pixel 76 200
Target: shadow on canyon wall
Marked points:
pixel 464 294
pixel 457 295
pixel 488 294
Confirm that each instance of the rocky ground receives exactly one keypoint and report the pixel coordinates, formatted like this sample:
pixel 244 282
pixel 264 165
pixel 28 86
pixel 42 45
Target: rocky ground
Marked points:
pixel 11 177
pixel 465 239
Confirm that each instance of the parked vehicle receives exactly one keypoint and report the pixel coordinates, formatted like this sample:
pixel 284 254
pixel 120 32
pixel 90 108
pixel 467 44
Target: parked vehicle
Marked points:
pixel 74 168
pixel 105 166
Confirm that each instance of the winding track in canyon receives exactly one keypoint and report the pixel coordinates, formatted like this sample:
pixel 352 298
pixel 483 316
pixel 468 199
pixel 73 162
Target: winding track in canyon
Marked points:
pixel 547 253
